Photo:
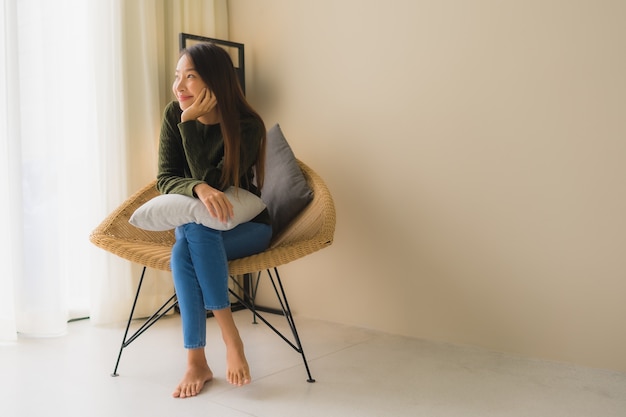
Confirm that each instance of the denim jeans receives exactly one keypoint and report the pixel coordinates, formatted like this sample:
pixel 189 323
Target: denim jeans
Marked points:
pixel 200 270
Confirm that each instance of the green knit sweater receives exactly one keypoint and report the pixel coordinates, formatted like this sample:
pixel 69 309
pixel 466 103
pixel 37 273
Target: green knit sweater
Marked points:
pixel 191 153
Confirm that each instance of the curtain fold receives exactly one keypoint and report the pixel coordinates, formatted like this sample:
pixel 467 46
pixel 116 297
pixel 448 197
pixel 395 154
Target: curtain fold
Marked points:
pixel 83 87
pixel 10 246
pixel 47 141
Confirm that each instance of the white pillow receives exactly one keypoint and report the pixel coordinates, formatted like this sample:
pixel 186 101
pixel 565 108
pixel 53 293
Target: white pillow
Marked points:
pixel 168 211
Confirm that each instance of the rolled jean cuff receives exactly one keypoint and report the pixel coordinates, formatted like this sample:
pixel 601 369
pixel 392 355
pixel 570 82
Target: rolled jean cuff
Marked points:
pixel 227 305
pixel 195 346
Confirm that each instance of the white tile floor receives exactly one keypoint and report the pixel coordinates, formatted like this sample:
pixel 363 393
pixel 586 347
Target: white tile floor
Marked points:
pixel 358 372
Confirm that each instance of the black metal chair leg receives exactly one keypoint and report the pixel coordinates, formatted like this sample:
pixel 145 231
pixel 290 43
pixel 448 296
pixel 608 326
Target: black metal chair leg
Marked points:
pixel 292 323
pixel 130 318
pixel 286 312
pixel 163 310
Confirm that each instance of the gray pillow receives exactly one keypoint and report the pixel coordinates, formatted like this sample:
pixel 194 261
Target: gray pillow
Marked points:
pixel 285 191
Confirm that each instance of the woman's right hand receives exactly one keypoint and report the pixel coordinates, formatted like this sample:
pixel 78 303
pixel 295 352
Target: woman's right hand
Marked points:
pixel 202 105
pixel 215 201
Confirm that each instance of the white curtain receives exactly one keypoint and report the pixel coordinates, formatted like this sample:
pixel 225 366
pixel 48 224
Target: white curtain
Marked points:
pixel 82 85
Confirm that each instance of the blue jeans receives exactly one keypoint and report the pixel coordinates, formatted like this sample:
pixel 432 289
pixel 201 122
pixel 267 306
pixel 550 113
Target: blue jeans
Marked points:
pixel 200 270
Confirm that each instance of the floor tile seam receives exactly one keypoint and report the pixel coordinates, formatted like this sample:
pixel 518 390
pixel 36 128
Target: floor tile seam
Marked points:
pixel 257 380
pixel 229 406
pixel 222 401
pixel 352 345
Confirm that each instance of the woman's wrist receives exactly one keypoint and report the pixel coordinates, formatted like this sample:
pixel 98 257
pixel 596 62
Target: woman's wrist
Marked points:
pixel 198 189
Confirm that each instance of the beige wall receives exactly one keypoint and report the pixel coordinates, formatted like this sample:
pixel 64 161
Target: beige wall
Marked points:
pixel 475 150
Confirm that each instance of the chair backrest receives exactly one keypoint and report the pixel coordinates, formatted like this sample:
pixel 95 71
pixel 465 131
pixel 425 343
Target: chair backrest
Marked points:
pixel 312 230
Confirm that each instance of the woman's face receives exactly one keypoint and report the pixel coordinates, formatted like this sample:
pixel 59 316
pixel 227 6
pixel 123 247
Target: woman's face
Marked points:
pixel 187 83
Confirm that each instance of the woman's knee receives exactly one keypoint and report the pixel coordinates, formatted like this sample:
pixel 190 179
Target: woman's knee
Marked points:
pixel 247 239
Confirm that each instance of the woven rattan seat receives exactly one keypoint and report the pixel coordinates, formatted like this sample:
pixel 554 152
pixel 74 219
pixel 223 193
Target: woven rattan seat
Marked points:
pixel 312 229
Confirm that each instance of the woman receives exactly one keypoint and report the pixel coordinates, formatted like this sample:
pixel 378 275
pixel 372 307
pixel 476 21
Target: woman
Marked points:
pixel 210 139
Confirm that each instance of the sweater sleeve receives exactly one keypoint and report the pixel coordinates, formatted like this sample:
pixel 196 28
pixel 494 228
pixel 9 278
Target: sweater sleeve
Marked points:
pixel 204 151
pixel 172 175
pixel 191 153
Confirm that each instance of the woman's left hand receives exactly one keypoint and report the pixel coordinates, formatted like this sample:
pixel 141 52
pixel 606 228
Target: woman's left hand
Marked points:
pixel 215 201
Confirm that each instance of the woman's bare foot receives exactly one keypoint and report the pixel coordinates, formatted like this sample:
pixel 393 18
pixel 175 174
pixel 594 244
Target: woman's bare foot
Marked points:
pixel 198 373
pixel 237 372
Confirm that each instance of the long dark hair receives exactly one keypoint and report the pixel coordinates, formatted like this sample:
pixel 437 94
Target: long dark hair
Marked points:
pixel 216 69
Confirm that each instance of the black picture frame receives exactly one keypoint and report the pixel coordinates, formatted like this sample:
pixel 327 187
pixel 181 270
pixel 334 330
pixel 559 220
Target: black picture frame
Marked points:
pixel 235 49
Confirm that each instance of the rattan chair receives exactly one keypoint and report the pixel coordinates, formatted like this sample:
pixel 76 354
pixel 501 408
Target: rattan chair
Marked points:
pixel 312 229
